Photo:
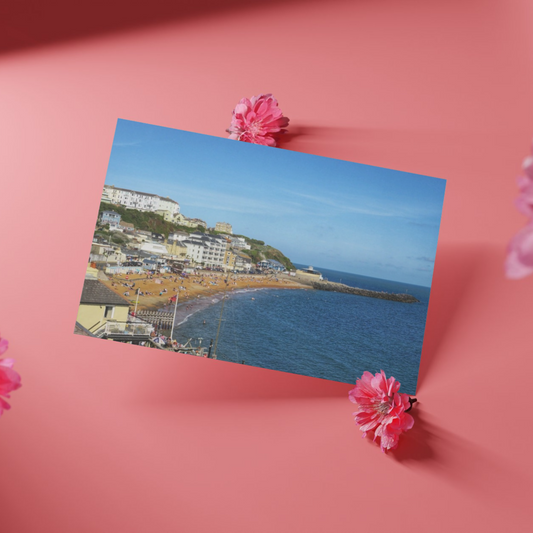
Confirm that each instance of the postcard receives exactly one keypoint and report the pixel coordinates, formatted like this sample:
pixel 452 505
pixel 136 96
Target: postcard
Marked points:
pixel 214 248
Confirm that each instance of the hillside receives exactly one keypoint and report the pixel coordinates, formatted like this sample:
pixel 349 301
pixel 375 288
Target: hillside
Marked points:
pixel 260 250
pixel 146 221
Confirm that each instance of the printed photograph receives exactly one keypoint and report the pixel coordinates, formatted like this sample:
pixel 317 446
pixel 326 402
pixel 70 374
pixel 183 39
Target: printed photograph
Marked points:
pixel 214 248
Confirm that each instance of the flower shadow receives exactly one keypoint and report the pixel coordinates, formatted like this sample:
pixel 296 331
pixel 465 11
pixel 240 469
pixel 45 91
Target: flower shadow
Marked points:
pixel 418 444
pixel 432 449
pixel 296 132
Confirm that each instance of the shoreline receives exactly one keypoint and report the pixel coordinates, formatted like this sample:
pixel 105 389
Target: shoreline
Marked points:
pixel 157 290
pixel 188 308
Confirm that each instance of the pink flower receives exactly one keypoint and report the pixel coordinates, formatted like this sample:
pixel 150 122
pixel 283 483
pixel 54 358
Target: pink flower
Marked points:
pixel 9 379
pixel 258 121
pixel 381 408
pixel 519 262
pixel 524 202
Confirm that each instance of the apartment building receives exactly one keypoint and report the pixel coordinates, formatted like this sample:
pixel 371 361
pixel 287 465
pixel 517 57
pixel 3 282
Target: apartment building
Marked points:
pixel 142 201
pixel 208 250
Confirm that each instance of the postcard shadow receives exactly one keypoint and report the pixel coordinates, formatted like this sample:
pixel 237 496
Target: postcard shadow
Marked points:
pixel 455 268
pixel 225 381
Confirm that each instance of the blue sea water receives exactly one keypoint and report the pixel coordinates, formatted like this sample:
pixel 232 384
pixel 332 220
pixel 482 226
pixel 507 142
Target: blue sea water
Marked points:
pixel 318 333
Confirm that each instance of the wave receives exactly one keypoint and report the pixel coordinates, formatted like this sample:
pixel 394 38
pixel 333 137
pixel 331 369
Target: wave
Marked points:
pixel 195 306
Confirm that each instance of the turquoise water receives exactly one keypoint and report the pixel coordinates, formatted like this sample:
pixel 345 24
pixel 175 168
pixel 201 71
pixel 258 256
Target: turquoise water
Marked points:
pixel 317 333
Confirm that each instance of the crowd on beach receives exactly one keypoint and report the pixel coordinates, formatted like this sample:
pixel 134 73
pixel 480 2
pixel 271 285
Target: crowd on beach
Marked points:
pixel 154 290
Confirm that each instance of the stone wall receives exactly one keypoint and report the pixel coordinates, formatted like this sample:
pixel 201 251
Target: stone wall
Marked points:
pixel 339 287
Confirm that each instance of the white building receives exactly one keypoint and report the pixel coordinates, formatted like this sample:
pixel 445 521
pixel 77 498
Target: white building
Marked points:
pixel 239 243
pixel 195 250
pixel 167 204
pixel 243 263
pixel 206 249
pixel 142 201
pixel 154 248
pixel 178 236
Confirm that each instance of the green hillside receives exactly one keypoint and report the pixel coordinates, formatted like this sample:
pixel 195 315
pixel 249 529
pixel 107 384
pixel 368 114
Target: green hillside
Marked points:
pixel 259 251
pixel 146 221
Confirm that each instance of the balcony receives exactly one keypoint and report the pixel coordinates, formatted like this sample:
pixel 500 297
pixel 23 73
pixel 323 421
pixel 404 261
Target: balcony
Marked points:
pixel 132 330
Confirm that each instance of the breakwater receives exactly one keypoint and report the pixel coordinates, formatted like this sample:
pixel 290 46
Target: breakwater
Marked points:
pixel 340 287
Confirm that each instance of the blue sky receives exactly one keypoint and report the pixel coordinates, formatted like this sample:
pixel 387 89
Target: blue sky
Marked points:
pixel 318 211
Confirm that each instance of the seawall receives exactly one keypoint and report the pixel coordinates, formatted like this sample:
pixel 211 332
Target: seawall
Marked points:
pixel 340 287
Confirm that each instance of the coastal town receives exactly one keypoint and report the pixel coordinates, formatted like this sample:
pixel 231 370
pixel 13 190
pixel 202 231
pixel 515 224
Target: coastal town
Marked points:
pixel 136 277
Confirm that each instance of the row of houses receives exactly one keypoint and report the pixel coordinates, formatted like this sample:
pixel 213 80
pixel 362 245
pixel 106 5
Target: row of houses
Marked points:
pixel 220 251
pixel 142 201
pixel 213 251
pixel 181 220
pixel 271 264
pixel 166 207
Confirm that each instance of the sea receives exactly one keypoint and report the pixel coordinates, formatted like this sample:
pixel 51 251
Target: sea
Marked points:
pixel 322 334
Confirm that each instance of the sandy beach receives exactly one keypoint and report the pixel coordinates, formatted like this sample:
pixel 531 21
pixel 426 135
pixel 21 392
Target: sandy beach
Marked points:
pixel 156 290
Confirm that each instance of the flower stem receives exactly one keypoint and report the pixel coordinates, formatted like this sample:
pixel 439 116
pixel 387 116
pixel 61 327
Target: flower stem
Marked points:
pixel 411 401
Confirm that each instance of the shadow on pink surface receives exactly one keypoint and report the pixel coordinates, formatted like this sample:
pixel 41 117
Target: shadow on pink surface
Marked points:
pixel 224 381
pixel 466 465
pixel 31 23
pixel 313 139
pixel 455 268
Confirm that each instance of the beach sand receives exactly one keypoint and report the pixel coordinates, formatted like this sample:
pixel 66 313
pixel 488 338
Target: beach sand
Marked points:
pixel 203 284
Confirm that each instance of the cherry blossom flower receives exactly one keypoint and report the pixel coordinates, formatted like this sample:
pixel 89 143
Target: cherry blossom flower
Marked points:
pixel 519 260
pixel 9 379
pixel 258 120
pixel 381 408
pixel 524 202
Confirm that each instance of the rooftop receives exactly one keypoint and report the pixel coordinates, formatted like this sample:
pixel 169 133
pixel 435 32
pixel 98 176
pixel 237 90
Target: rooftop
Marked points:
pixel 167 199
pixel 95 292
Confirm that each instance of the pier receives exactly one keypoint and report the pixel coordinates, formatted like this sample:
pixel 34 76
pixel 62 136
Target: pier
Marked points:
pixel 340 287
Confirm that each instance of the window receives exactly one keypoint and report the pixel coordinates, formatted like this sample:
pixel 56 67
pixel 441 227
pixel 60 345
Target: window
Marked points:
pixel 109 311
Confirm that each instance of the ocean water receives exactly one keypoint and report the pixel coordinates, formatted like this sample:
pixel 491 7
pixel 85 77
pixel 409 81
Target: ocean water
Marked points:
pixel 316 333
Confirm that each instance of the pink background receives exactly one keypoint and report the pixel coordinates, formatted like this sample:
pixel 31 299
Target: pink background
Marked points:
pixel 112 438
